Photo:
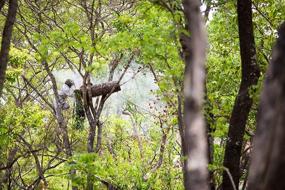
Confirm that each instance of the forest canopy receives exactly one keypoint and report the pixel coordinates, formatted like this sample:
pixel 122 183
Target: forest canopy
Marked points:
pixel 142 94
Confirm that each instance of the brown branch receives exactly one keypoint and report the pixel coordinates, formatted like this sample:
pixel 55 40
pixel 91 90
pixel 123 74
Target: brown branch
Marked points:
pixel 38 93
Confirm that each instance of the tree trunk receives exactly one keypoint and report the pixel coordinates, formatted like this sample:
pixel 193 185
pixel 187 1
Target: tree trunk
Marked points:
pixel 243 102
pixel 267 169
pixel 7 181
pixel 6 40
pixel 196 172
pixel 93 114
pixel 99 137
pixel 210 120
pixel 181 127
pixel 210 151
pixel 91 117
pixel 62 125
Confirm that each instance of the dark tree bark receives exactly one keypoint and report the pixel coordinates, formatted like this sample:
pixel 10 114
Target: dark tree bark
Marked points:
pixel 6 40
pixel 8 172
pixel 2 3
pixel 181 127
pixel 194 50
pixel 92 113
pixel 209 120
pixel 104 88
pixel 267 169
pixel 99 137
pixel 243 102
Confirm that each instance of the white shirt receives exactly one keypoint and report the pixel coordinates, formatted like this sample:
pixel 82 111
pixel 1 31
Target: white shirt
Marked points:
pixel 66 91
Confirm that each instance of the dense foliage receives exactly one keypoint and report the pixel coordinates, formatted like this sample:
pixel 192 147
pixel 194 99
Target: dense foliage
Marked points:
pixel 137 141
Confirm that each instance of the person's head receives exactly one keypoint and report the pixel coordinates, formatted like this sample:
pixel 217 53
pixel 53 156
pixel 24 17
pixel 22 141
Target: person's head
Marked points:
pixel 69 83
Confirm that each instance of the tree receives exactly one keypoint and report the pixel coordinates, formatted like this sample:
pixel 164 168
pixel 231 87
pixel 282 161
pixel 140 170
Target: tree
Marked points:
pixel 195 165
pixel 151 134
pixel 6 39
pixel 267 168
pixel 243 102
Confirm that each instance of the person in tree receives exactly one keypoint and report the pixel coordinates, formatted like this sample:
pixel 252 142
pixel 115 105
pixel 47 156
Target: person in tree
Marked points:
pixel 67 90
